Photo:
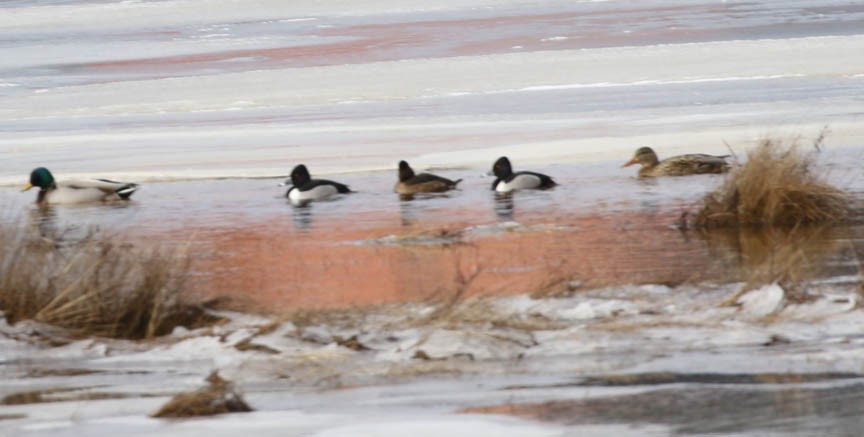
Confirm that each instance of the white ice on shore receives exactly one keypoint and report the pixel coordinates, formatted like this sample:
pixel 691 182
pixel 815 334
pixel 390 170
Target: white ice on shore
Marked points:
pixel 657 329
pixel 763 301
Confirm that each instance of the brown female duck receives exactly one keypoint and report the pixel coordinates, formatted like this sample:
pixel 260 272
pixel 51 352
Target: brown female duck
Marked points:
pixel 682 165
pixel 411 183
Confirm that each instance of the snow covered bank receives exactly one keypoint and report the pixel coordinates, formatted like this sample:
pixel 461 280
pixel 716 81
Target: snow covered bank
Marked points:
pixel 284 364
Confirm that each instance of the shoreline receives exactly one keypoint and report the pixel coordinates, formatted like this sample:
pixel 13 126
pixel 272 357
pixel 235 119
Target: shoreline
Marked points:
pixel 842 137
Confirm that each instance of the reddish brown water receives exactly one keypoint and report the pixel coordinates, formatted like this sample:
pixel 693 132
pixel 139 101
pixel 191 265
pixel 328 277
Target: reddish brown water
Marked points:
pixel 268 266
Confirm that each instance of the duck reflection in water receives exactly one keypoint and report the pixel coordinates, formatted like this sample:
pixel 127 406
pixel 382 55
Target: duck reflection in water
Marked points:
pixel 46 222
pixel 407 211
pixel 412 207
pixel 503 205
pixel 302 217
pixel 410 211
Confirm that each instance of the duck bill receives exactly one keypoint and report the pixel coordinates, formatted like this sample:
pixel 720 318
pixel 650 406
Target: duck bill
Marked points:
pixel 630 162
pixel 27 187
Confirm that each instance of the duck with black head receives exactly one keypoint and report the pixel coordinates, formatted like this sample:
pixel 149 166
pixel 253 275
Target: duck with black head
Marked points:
pixel 76 192
pixel 681 165
pixel 506 180
pixel 304 189
pixel 411 183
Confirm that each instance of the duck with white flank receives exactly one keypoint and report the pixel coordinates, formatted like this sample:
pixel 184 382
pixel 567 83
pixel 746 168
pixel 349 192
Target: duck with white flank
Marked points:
pixel 411 183
pixel 682 165
pixel 506 180
pixel 76 192
pixel 305 189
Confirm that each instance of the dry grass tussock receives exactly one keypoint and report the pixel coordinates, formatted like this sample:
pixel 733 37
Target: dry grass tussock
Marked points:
pixel 95 287
pixel 777 186
pixel 218 397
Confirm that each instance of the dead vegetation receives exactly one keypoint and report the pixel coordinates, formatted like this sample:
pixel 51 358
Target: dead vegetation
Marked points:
pixel 218 397
pixel 95 287
pixel 483 312
pixel 338 317
pixel 777 186
pixel 59 395
pixel 782 207
pixel 45 373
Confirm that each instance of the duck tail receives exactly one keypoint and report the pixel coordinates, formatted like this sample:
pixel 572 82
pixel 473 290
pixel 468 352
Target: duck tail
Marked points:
pixel 456 182
pixel 127 190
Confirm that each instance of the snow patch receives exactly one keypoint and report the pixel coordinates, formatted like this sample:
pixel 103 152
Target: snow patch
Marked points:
pixel 763 301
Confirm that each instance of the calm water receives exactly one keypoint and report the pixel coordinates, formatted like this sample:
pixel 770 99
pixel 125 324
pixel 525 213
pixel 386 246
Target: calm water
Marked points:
pixel 718 404
pixel 597 188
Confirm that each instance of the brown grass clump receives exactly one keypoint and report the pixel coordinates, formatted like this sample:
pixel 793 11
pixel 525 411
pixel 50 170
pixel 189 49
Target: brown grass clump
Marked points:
pixel 95 287
pixel 777 186
pixel 218 397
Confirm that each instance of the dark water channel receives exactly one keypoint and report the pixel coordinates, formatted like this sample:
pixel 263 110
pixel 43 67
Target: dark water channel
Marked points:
pixel 716 404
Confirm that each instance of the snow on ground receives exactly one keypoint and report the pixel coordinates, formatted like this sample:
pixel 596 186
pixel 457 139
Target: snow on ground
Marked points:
pixel 398 369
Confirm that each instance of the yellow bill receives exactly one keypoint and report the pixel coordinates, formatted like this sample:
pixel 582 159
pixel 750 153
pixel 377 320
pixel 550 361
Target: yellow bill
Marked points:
pixel 27 187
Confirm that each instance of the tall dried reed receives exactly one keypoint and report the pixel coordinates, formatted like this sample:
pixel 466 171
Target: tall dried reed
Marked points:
pixel 95 287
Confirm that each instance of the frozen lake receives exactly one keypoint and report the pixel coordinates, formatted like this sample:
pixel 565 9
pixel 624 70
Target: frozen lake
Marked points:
pixel 209 107
pixel 156 90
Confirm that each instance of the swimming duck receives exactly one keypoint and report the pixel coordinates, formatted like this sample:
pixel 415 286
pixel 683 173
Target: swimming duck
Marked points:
pixel 305 189
pixel 682 165
pixel 506 180
pixel 97 190
pixel 411 183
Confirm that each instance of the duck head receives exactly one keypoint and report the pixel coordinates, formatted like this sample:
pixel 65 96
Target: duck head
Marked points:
pixel 501 168
pixel 300 175
pixel 644 156
pixel 405 171
pixel 42 178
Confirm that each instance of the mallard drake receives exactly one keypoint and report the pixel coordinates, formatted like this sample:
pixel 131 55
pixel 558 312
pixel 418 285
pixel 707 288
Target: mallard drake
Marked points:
pixel 305 189
pixel 682 165
pixel 506 180
pixel 411 183
pixel 97 190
